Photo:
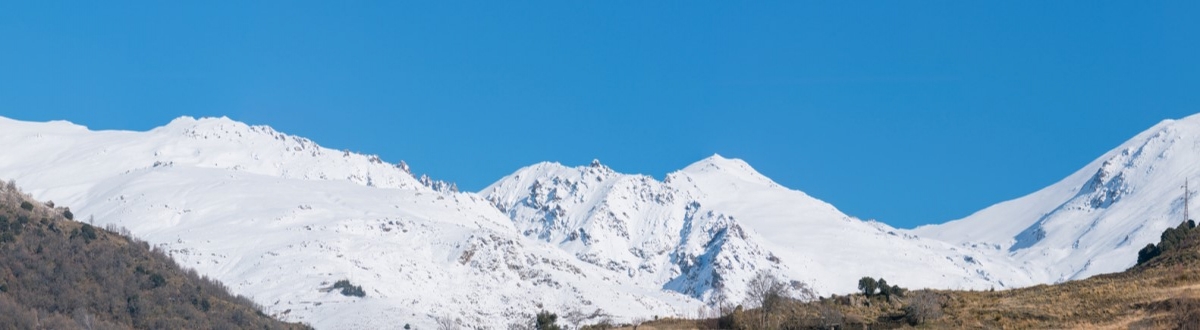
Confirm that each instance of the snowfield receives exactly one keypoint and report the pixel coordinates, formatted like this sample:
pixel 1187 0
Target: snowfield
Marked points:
pixel 278 218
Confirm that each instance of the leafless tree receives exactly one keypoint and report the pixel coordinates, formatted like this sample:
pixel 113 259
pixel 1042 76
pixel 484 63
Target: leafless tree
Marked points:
pixel 829 317
pixel 720 300
pixel 923 306
pixel 447 323
pixel 767 292
pixel 803 292
pixel 574 317
pixel 527 324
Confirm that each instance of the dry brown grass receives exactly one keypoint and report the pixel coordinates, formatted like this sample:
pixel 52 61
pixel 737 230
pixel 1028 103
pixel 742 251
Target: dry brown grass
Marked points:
pixel 664 324
pixel 1159 295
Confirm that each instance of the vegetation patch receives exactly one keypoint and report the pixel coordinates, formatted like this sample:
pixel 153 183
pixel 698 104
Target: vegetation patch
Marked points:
pixel 349 290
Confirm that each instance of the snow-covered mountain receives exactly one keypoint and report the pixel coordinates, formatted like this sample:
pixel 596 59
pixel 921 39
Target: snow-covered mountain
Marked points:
pixel 279 219
pixel 717 222
pixel 1095 220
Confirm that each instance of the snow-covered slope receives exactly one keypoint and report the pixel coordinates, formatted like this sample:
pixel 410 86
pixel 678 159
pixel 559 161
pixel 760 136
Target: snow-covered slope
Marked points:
pixel 1095 220
pixel 279 219
pixel 714 224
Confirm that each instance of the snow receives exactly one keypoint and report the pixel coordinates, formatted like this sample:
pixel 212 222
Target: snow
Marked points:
pixel 278 218
pixel 714 224
pixel 1095 220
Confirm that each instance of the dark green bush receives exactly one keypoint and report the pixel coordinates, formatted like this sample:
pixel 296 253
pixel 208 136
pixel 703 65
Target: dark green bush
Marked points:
pixel 88 232
pixel 1147 253
pixel 867 286
pixel 157 280
pixel 348 289
pixel 547 321
pixel 1170 238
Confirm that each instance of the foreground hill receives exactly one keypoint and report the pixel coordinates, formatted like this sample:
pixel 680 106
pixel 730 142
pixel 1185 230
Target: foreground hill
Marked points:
pixel 56 273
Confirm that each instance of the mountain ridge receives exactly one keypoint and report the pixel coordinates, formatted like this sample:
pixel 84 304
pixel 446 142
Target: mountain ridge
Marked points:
pixel 563 234
pixel 695 212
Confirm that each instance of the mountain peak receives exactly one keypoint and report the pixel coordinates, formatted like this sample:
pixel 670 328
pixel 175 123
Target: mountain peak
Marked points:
pixel 545 166
pixel 189 120
pixel 719 165
pixel 717 162
pixel 207 127
pixel 182 121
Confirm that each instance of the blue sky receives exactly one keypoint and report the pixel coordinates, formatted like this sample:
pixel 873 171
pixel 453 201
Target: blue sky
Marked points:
pixel 908 113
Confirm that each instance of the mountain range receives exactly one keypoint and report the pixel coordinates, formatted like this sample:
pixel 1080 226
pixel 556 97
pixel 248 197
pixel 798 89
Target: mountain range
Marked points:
pixel 279 218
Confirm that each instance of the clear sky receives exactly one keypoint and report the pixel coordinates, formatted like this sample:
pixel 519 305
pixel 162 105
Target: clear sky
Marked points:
pixel 905 112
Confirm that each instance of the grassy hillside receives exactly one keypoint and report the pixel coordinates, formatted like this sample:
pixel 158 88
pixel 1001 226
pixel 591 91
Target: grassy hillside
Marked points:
pixel 1162 293
pixel 56 273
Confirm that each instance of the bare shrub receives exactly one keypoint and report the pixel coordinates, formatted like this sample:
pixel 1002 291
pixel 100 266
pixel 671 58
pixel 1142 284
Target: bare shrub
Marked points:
pixel 1181 312
pixel 923 306
pixel 527 325
pixel 766 292
pixel 803 292
pixel 447 323
pixel 829 317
